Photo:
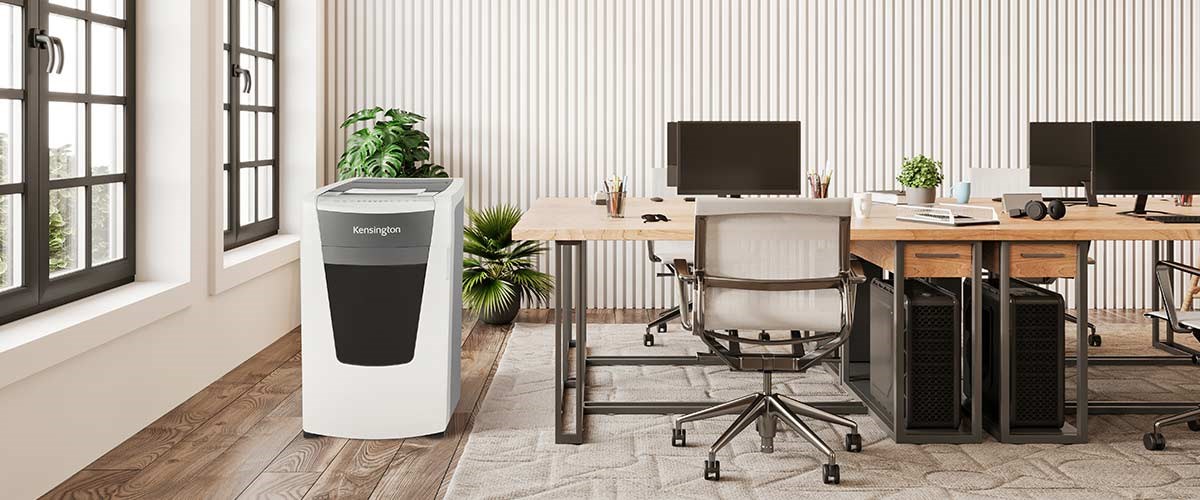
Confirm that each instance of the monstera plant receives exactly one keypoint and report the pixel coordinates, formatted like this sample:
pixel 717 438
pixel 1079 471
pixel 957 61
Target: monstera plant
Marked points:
pixel 497 271
pixel 390 146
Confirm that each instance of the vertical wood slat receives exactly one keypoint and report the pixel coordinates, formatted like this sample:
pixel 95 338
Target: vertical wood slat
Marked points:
pixel 533 98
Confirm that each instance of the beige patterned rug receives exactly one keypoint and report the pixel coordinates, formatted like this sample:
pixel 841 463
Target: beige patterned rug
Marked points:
pixel 511 452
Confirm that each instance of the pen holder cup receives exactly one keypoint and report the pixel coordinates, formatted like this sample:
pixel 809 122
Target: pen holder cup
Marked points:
pixel 616 204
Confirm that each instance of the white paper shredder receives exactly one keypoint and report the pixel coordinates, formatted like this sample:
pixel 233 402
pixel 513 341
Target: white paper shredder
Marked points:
pixel 381 295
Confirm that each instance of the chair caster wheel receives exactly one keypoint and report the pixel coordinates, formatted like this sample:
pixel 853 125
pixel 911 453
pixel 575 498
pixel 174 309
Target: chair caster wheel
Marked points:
pixel 678 437
pixel 1094 340
pixel 1154 441
pixel 648 340
pixel 712 470
pixel 831 474
pixel 309 435
pixel 662 328
pixel 1194 425
pixel 764 336
pixel 854 442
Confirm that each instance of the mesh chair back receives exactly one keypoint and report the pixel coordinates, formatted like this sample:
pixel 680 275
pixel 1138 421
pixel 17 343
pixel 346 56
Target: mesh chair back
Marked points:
pixel 772 240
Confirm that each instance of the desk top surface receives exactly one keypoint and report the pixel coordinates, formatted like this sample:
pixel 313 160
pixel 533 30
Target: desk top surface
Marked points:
pixel 577 219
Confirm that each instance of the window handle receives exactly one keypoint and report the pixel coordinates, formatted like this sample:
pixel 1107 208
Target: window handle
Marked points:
pixel 62 54
pixel 239 72
pixel 38 39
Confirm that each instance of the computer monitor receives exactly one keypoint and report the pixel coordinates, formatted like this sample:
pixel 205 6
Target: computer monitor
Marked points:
pixel 672 154
pixel 1145 158
pixel 736 158
pixel 1060 155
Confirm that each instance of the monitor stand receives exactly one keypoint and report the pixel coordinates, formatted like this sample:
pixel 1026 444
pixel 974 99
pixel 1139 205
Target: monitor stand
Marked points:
pixel 1089 199
pixel 1139 208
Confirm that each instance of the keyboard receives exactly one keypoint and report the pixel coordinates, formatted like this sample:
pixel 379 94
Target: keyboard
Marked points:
pixel 1175 219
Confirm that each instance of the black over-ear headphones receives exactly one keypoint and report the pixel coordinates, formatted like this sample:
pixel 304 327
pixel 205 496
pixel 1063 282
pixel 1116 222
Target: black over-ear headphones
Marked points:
pixel 1038 210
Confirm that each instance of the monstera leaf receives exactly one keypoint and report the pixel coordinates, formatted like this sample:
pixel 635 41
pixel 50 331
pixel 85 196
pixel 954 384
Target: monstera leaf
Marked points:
pixel 389 146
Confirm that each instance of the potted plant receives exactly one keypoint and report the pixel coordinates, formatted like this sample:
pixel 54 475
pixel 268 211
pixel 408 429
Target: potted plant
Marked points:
pixel 920 175
pixel 498 271
pixel 391 146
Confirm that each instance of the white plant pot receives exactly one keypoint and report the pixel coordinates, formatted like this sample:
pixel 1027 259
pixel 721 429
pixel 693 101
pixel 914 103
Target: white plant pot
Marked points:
pixel 918 196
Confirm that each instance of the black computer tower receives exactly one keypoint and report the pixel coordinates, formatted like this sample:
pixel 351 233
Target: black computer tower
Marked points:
pixel 1036 352
pixel 931 353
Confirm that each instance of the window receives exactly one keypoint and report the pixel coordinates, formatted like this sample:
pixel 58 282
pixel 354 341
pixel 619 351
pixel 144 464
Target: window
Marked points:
pixel 250 171
pixel 66 170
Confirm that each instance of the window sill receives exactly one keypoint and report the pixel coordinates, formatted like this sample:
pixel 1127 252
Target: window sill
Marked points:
pixel 32 344
pixel 247 262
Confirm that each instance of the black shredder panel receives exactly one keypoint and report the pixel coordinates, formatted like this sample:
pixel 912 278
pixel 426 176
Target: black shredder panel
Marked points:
pixel 375 272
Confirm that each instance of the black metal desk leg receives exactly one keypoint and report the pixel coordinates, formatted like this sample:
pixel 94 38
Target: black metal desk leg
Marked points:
pixel 976 353
pixel 568 300
pixel 1005 369
pixel 900 329
pixel 1081 345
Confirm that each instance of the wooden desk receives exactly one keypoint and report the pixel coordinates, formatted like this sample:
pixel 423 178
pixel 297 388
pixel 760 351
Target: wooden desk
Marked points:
pixel 1014 248
pixel 577 219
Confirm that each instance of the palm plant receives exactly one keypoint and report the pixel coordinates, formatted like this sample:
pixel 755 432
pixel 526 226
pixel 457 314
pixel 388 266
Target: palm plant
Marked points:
pixel 499 271
pixel 389 147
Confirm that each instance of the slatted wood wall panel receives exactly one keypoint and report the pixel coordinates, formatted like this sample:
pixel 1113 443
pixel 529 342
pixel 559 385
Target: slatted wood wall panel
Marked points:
pixel 537 98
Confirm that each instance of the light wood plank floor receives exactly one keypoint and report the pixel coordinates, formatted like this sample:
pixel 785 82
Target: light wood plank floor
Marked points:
pixel 240 436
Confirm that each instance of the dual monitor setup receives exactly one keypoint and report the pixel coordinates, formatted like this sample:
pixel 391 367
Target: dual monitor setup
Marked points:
pixel 732 158
pixel 1116 158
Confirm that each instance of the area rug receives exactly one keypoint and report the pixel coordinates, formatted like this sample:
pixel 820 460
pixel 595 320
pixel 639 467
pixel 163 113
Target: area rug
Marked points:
pixel 511 451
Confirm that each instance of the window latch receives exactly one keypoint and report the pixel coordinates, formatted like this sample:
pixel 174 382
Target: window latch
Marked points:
pixel 239 72
pixel 39 39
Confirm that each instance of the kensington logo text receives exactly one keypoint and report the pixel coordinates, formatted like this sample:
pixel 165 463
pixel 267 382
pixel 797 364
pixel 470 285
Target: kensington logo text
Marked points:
pixel 379 230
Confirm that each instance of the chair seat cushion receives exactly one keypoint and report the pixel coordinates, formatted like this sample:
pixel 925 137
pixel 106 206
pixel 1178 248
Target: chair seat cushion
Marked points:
pixel 668 251
pixel 813 310
pixel 1189 319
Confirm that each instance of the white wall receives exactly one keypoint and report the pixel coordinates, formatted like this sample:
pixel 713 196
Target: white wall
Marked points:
pixel 534 98
pixel 56 421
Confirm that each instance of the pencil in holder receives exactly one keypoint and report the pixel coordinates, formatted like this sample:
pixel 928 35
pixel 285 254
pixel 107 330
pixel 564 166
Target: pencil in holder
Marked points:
pixel 616 204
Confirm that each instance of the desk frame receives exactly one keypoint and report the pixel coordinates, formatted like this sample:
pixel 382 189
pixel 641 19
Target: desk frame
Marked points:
pixel 570 332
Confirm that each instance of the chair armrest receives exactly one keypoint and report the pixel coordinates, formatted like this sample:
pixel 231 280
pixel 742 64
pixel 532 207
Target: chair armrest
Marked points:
pixel 1178 267
pixel 1162 279
pixel 682 269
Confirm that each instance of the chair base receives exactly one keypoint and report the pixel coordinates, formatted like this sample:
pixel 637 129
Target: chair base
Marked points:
pixel 1155 441
pixel 660 325
pixel 768 409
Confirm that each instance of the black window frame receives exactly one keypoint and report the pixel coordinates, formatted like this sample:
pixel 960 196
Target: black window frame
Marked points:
pixel 234 233
pixel 40 291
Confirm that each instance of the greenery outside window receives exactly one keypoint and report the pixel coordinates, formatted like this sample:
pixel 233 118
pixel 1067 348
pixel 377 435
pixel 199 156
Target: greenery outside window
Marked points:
pixel 250 169
pixel 66 168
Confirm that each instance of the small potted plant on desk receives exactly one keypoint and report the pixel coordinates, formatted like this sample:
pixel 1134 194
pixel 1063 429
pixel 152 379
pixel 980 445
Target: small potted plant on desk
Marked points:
pixel 497 271
pixel 920 175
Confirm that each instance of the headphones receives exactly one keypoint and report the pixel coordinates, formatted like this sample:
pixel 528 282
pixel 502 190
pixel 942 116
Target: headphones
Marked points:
pixel 1038 210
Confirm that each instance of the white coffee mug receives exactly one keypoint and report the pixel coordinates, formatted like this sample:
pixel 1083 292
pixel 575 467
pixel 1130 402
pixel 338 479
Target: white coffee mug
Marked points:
pixel 862 205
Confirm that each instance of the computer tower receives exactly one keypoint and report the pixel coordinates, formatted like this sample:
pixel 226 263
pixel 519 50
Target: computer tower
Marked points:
pixel 1036 353
pixel 933 319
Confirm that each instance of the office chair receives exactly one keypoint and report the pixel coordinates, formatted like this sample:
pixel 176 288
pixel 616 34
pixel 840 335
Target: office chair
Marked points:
pixel 1179 322
pixel 771 264
pixel 668 253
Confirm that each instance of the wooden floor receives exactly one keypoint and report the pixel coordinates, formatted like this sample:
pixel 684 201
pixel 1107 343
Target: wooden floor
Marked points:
pixel 240 437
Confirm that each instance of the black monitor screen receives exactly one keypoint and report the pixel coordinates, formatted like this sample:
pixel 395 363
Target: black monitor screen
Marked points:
pixel 1146 157
pixel 672 155
pixel 734 158
pixel 1060 154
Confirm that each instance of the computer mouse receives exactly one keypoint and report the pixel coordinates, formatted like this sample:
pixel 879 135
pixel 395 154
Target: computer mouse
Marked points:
pixel 656 199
